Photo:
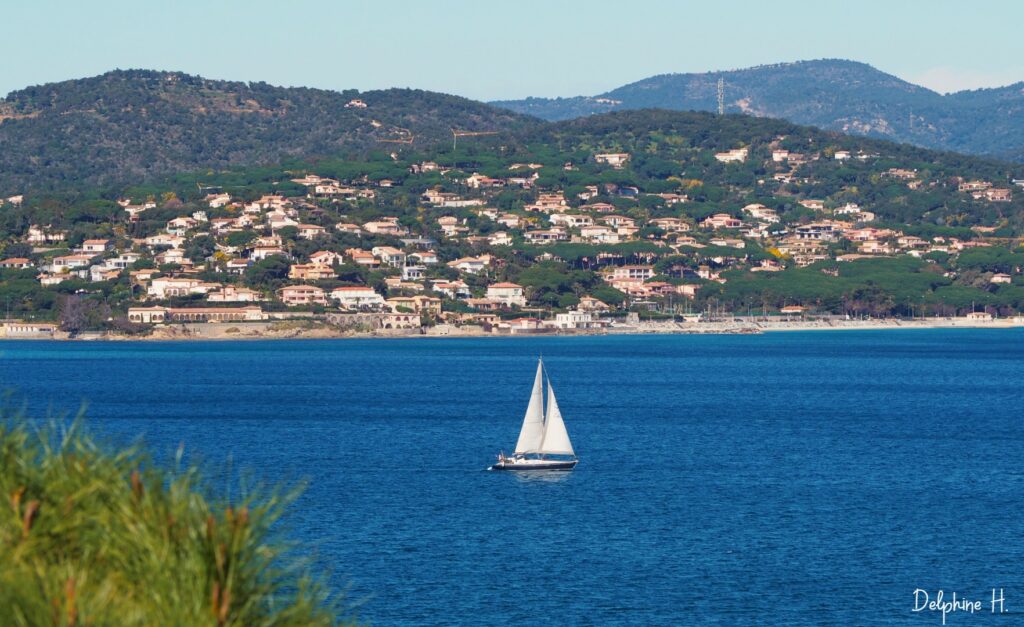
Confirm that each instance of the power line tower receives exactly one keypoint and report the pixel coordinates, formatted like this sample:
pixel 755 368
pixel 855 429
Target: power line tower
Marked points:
pixel 721 96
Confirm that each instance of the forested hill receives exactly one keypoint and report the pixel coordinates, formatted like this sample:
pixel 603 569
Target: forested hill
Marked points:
pixel 831 94
pixel 127 126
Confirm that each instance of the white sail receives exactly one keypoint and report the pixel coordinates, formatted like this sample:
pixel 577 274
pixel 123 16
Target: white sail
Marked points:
pixel 556 438
pixel 532 433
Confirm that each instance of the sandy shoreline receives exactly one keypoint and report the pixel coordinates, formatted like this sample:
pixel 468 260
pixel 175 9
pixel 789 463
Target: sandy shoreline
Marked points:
pixel 315 330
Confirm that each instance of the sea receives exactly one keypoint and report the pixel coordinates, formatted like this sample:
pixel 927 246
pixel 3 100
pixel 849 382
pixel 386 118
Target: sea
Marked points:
pixel 799 478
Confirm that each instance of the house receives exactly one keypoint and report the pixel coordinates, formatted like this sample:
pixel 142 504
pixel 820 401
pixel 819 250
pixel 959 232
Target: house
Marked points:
pixel 65 263
pixel 576 320
pixel 49 280
pixel 522 325
pixel 426 257
pixel 472 265
pixel 357 297
pixel 509 220
pixel 761 213
pixel 615 159
pixel 293 295
pixel 400 321
pixel 979 316
pixel 591 304
pixel 600 235
pixel 311 272
pixel 508 294
pixel 672 225
pixel 814 205
pixel 500 238
pixel 617 222
pixel 234 294
pixel 279 219
pixel 349 228
pixel 16 262
pixel 216 201
pixel 259 253
pixel 549 203
pixel 95 246
pixel 420 304
pixel 164 239
pixel 362 257
pixel 169 287
pixel 451 289
pixel 824 231
pixel 413 273
pixel 570 220
pixel 389 256
pixel 44 235
pixel 632 272
pixel 311 231
pixel 237 266
pixel 841 155
pixel 721 221
pixel 973 186
pixel 778 156
pixel 180 226
pixel 327 258
pixel 736 155
pixel 547 236
pixel 1001 279
pixel 385 226
pixel 998 195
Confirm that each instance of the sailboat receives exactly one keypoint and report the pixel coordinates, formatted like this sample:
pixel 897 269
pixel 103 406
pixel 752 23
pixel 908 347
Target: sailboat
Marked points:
pixel 543 441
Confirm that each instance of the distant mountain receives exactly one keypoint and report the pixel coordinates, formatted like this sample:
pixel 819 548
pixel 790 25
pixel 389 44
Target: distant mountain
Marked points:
pixel 137 125
pixel 831 94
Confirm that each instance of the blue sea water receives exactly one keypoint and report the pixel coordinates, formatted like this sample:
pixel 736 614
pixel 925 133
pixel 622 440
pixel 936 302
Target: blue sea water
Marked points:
pixel 783 479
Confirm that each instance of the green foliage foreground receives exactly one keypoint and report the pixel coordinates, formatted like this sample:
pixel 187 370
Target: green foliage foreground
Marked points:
pixel 94 537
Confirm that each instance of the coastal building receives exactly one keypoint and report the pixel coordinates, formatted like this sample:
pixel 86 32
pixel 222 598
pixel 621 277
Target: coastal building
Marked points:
pixel 357 297
pixel 23 329
pixel 295 295
pixel 156 315
pixel 168 287
pixel 234 294
pixel 509 294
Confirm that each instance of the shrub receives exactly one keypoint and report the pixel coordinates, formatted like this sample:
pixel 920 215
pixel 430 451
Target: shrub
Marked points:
pixel 100 537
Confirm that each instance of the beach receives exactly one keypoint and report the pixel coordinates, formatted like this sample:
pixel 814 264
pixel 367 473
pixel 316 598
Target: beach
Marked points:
pixel 316 329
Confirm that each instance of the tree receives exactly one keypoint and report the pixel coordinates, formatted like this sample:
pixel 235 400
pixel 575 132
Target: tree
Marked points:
pixel 78 313
pixel 237 239
pixel 269 273
pixel 95 536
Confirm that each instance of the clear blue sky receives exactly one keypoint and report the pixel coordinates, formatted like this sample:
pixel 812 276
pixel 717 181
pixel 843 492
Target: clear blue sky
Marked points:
pixel 514 49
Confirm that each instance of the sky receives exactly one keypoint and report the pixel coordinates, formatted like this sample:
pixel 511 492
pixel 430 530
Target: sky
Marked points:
pixel 505 50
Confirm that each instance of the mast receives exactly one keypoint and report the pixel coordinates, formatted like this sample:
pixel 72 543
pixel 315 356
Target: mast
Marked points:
pixel 556 438
pixel 532 433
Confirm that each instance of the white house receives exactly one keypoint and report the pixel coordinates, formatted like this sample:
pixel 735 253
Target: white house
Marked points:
pixel 507 293
pixel 358 297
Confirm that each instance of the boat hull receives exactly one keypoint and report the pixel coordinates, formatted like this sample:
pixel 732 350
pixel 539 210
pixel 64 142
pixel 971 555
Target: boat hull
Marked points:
pixel 535 464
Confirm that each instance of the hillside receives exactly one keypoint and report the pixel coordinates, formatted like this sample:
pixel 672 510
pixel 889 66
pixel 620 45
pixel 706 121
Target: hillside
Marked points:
pixel 650 211
pixel 831 94
pixel 126 126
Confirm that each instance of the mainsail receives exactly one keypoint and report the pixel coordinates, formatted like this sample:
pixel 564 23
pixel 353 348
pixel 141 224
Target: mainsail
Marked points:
pixel 532 433
pixel 556 438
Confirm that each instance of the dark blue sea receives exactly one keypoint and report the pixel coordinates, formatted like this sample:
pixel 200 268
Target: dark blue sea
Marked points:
pixel 782 479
